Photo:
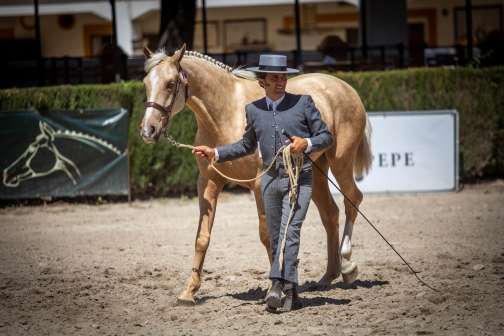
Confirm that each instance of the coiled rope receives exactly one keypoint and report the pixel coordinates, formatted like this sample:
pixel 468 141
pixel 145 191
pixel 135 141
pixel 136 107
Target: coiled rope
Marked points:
pixel 293 169
pixel 293 164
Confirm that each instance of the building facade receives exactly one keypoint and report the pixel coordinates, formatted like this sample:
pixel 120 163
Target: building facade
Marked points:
pixel 78 29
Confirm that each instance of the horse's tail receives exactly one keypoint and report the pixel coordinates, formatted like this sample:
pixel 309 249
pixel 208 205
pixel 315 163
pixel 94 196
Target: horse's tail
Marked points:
pixel 363 159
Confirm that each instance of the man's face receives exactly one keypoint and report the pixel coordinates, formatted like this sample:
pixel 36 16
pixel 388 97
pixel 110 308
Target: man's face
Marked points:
pixel 274 84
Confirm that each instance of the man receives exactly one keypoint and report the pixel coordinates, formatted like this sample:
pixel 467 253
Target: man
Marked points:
pixel 266 118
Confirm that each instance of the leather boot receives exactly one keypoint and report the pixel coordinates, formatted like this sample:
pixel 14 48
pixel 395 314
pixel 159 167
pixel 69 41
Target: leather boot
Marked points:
pixel 292 300
pixel 273 299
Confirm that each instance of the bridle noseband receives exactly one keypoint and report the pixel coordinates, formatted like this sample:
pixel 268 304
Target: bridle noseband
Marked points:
pixel 166 110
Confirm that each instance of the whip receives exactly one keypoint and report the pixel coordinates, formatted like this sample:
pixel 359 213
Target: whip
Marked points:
pixel 177 144
pixel 334 184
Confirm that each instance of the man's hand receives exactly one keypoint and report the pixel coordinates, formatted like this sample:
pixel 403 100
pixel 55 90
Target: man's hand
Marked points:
pixel 204 152
pixel 299 145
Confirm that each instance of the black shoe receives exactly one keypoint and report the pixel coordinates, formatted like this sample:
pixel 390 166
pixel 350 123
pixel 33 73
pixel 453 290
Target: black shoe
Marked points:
pixel 292 300
pixel 270 309
pixel 273 299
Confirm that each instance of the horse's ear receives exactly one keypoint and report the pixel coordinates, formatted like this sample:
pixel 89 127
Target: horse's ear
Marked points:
pixel 41 126
pixel 177 57
pixel 46 129
pixel 147 53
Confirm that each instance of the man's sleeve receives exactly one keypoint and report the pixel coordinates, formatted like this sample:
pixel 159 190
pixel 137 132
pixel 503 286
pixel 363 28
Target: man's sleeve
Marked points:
pixel 243 147
pixel 319 134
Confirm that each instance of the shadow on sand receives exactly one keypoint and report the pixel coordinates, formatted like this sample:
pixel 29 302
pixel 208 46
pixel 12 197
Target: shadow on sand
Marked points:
pixel 254 296
pixel 314 286
pixel 250 295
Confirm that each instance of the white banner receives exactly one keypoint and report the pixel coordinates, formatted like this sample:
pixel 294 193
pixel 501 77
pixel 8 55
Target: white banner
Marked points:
pixel 415 151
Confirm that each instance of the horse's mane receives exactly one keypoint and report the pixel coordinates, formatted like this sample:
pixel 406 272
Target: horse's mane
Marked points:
pixel 87 139
pixel 160 55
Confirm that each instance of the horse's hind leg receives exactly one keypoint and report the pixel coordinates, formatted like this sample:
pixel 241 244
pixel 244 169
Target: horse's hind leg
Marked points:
pixel 208 192
pixel 263 225
pixel 329 214
pixel 342 169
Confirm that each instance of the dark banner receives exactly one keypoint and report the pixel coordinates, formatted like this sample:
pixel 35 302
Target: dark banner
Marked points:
pixel 63 153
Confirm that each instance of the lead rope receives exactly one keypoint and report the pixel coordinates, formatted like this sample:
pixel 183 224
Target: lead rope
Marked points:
pixel 292 195
pixel 293 164
pixel 293 169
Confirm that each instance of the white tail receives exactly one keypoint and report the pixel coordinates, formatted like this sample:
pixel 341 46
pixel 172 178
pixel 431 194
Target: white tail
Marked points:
pixel 364 159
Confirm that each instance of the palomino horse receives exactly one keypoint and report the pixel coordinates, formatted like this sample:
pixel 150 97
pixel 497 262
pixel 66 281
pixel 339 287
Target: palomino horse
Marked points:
pixel 217 95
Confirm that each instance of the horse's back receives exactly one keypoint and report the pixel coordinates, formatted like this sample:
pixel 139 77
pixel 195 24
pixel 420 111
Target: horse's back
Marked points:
pixel 338 103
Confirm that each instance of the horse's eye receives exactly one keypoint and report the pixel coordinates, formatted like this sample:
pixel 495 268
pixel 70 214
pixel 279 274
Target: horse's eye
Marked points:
pixel 170 85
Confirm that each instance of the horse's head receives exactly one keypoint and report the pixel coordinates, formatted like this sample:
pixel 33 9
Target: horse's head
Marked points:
pixel 26 165
pixel 166 89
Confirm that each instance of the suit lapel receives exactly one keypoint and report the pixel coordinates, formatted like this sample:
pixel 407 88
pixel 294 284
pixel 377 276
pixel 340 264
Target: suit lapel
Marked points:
pixel 289 101
pixel 261 104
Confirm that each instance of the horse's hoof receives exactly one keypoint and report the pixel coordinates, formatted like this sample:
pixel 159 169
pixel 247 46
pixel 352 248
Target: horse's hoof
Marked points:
pixel 316 286
pixel 348 267
pixel 328 279
pixel 350 277
pixel 185 302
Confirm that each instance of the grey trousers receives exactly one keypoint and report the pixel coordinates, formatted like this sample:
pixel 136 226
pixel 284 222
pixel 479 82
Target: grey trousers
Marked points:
pixel 275 191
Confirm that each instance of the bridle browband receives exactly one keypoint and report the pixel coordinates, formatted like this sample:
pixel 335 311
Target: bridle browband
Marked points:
pixel 166 110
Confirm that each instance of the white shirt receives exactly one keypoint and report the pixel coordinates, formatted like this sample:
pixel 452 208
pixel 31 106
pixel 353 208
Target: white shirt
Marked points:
pixel 275 102
pixel 269 102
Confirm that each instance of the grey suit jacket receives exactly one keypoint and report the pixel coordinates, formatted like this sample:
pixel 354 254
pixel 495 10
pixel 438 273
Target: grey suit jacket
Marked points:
pixel 296 114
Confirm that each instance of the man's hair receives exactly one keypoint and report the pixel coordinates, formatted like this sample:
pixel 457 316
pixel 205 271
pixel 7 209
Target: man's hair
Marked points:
pixel 261 75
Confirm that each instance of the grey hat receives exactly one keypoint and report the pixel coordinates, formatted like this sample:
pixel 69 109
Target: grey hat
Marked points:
pixel 273 63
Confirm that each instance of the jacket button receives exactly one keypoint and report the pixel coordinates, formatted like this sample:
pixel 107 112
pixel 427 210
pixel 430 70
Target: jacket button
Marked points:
pixel 271 146
pixel 272 136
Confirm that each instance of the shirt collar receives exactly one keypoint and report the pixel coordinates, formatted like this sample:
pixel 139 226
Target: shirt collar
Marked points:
pixel 275 103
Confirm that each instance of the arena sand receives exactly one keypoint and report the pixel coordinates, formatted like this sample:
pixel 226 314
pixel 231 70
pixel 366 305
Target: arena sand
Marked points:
pixel 113 269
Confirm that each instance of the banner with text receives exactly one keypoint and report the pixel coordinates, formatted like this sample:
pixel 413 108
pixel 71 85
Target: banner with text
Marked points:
pixel 414 151
pixel 63 153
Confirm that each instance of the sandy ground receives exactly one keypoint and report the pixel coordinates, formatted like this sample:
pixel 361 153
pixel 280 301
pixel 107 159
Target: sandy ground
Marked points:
pixel 116 270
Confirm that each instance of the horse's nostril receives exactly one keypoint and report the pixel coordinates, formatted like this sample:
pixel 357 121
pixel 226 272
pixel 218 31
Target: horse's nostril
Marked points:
pixel 152 129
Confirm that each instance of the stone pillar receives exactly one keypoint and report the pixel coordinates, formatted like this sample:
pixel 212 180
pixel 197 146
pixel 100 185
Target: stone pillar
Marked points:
pixel 385 23
pixel 124 27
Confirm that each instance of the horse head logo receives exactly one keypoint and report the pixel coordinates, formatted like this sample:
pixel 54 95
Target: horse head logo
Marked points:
pixel 32 164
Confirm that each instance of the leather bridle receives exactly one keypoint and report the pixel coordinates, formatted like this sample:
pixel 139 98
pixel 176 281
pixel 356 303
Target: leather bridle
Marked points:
pixel 166 110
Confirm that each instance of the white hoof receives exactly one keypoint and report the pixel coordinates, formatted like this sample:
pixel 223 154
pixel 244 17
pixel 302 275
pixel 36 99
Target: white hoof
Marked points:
pixel 349 278
pixel 347 266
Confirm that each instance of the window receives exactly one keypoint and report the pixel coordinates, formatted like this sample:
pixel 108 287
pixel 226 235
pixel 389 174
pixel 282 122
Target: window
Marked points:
pixel 212 35
pixel 486 22
pixel 352 36
pixel 244 34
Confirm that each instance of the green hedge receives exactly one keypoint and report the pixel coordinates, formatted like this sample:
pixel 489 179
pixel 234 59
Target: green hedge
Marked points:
pixel 162 169
pixel 156 170
pixel 478 95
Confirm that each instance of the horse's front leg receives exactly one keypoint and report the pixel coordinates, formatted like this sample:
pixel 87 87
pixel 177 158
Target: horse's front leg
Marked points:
pixel 208 192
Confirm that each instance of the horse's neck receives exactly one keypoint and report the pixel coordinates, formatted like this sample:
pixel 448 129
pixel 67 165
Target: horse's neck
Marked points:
pixel 218 98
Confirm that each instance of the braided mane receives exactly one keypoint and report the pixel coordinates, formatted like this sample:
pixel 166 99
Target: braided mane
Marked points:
pixel 160 55
pixel 87 139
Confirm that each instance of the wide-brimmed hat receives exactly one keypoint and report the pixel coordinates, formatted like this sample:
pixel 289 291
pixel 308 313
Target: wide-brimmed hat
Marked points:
pixel 273 63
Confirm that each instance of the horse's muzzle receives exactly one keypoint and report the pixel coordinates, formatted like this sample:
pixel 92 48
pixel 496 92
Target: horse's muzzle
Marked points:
pixel 150 137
